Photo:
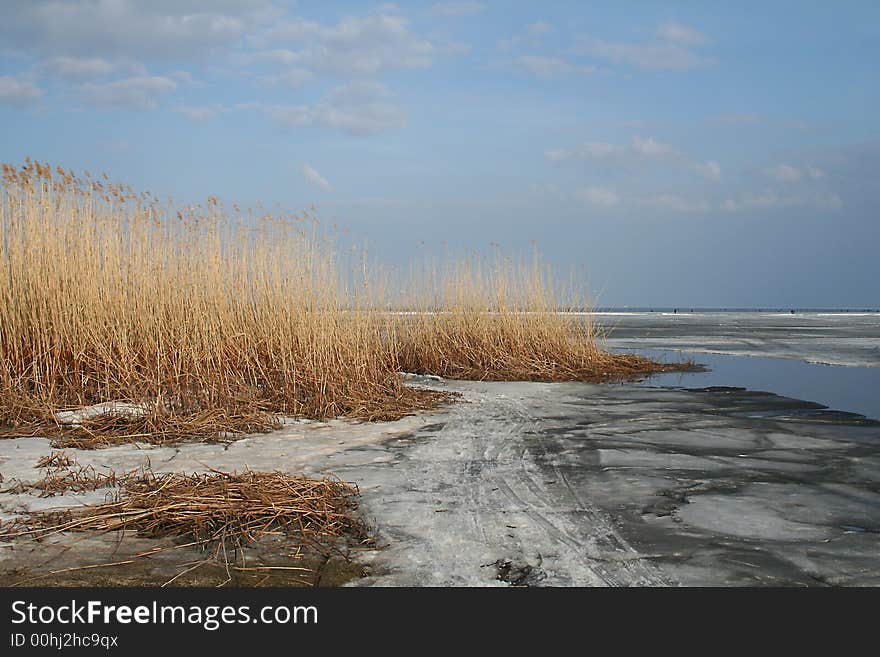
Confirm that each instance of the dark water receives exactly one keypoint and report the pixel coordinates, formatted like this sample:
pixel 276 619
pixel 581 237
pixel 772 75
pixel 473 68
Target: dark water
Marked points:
pixel 850 389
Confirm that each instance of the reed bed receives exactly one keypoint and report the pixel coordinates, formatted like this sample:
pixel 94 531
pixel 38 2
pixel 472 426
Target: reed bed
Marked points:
pixel 500 319
pixel 215 321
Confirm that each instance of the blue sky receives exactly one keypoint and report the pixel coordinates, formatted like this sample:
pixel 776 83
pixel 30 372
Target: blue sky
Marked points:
pixel 678 153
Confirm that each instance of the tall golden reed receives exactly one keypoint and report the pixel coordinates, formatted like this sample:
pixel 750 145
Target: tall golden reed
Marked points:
pixel 504 320
pixel 110 295
pixel 214 323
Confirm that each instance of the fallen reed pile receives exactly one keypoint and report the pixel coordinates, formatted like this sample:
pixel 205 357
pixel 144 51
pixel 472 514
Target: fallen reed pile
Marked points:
pixel 215 509
pixel 70 478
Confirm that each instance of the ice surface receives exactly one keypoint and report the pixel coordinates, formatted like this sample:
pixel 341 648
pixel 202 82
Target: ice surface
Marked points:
pixel 835 339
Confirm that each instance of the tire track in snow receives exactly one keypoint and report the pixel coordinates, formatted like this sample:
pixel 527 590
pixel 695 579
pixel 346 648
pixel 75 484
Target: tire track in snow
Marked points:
pixel 482 453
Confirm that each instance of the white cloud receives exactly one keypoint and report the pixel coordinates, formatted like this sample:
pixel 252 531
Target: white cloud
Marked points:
pixel 678 33
pixel 129 28
pixel 353 47
pixel 547 189
pixel 184 77
pixel 137 93
pixel 752 119
pixel 589 150
pixel 788 173
pixel 290 116
pixel 783 173
pixel 770 199
pixel 458 8
pixel 535 33
pixel 675 203
pixel 710 170
pixel 83 68
pixel 293 78
pixel 598 196
pixel 650 147
pixel 357 91
pixel 670 56
pixel 358 108
pixel 548 67
pixel 17 92
pixel 199 113
pixel 314 178
pixel 539 29
pixel 639 148
pixel 280 56
pixel 361 120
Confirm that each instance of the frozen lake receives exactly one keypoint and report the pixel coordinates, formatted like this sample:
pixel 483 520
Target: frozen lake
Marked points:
pixel 816 337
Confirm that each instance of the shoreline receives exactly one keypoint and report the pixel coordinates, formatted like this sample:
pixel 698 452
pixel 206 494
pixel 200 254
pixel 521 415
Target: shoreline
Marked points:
pixel 568 484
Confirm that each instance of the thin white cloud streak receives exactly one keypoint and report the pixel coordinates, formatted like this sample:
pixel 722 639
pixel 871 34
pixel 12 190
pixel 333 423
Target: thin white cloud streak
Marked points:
pixel 657 56
pixel 355 46
pixel 773 200
pixel 597 196
pixel 84 68
pixel 638 148
pixel 356 108
pixel 18 93
pixel 682 34
pixel 791 174
pixel 550 67
pixel 710 170
pixel 134 93
pixel 314 178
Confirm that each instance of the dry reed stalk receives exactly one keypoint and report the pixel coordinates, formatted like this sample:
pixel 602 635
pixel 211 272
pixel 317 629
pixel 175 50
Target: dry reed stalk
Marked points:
pixel 504 320
pixel 58 460
pixel 217 323
pixel 61 481
pixel 210 509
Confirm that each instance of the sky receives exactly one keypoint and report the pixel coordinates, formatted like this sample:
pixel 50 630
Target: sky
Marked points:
pixel 670 154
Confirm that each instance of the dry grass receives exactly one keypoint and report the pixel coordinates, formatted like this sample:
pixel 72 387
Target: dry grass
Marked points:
pixel 215 323
pixel 79 479
pixel 218 321
pixel 504 320
pixel 63 475
pixel 59 460
pixel 220 513
pixel 209 508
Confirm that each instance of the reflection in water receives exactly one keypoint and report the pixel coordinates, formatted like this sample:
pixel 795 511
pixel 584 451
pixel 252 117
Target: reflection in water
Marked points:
pixel 852 389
